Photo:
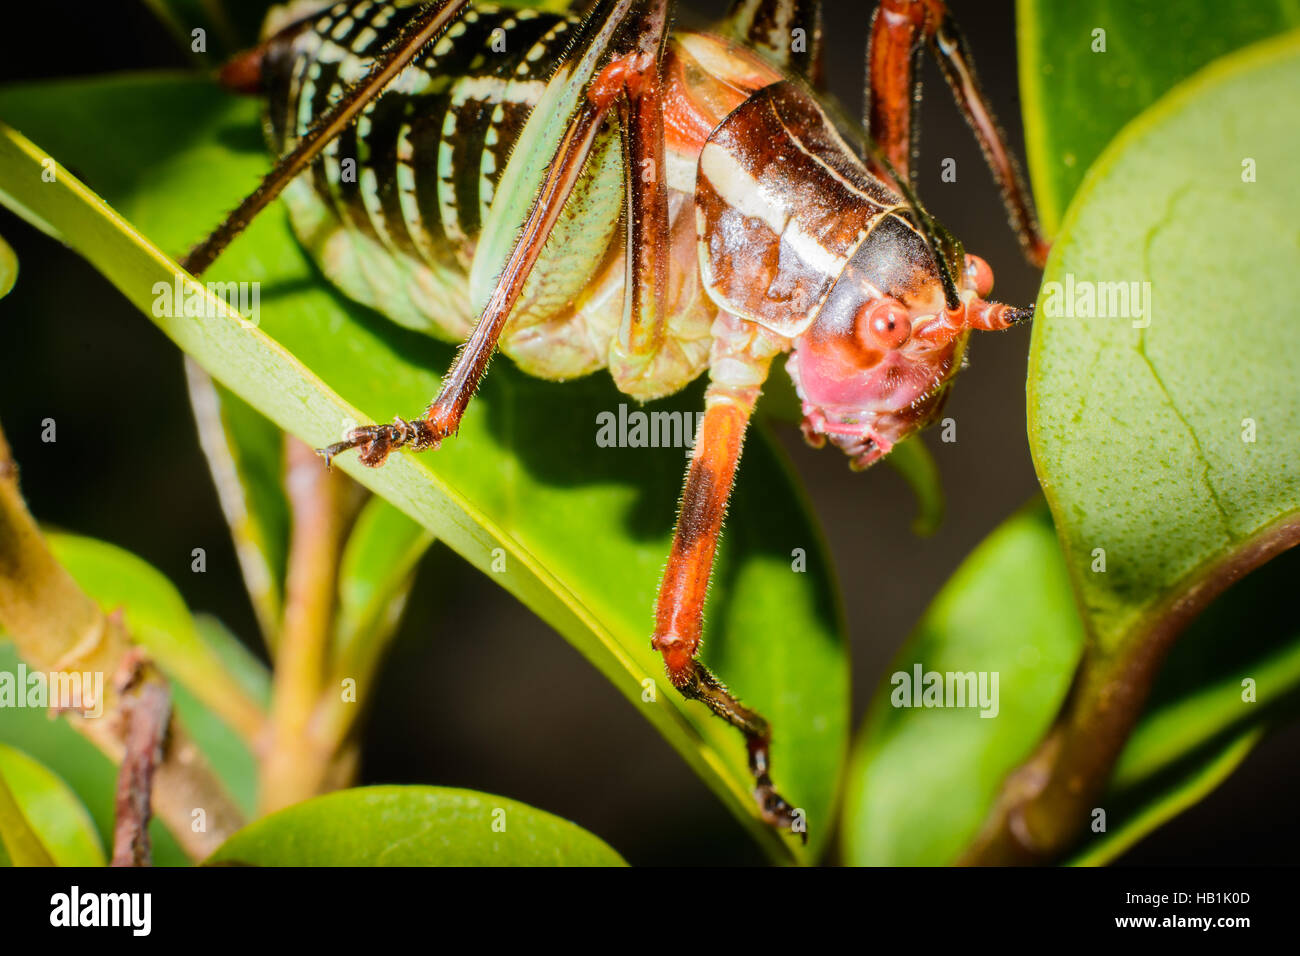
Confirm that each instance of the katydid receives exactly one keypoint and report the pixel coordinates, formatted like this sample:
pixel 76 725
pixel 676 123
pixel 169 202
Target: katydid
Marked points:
pixel 601 192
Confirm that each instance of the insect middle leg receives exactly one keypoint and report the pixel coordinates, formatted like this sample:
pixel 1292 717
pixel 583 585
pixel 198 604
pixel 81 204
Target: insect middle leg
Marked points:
pixel 900 29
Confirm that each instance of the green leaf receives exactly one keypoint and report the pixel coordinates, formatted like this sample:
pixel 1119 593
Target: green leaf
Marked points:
pixel 210 699
pixel 1205 771
pixel 42 823
pixel 238 660
pixel 913 460
pixel 922 779
pixel 245 454
pixel 8 268
pixel 158 620
pixel 375 574
pixel 20 845
pixel 1168 440
pixel 1075 101
pixel 413 826
pixel 1223 686
pixel 581 531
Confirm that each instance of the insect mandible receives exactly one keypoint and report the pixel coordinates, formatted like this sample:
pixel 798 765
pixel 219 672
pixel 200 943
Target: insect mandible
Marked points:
pixel 708 215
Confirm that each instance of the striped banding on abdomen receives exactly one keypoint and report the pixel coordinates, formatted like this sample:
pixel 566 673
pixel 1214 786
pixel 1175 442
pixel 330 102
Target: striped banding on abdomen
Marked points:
pixel 417 172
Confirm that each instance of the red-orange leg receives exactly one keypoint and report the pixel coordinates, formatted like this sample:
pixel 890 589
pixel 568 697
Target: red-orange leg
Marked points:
pixel 679 618
pixel 899 29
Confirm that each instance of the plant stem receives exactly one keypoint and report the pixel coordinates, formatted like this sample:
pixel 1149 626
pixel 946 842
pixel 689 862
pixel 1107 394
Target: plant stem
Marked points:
pixel 1045 802
pixel 57 627
pixel 296 762
pixel 259 578
pixel 146 707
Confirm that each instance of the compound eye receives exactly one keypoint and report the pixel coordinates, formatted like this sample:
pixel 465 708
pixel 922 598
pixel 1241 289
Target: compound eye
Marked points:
pixel 979 276
pixel 883 324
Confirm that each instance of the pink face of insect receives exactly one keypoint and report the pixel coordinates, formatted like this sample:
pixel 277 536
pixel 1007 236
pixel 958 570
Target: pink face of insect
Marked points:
pixel 876 363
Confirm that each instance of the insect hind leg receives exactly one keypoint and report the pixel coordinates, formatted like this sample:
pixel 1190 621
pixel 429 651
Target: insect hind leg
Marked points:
pixel 378 441
pixel 619 47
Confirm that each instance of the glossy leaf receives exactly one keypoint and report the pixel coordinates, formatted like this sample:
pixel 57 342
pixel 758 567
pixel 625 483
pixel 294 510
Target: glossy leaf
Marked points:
pixel 42 823
pixel 580 531
pixel 413 826
pixel 1165 438
pixel 922 779
pixel 20 845
pixel 1076 100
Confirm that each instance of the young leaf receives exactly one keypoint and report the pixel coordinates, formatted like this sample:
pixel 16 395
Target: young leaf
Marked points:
pixel 42 823
pixel 922 778
pixel 1087 68
pixel 525 492
pixel 245 454
pixel 413 826
pixel 238 660
pixel 1165 432
pixel 375 574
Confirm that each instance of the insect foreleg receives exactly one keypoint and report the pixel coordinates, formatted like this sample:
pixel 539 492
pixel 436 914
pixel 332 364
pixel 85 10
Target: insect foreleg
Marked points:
pixel 899 30
pixel 740 361
pixel 423 27
pixel 626 37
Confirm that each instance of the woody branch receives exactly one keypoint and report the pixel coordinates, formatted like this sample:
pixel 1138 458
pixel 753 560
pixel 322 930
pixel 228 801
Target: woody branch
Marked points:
pixel 57 627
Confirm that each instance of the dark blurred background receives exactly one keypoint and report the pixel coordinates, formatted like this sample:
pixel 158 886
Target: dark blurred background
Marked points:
pixel 127 468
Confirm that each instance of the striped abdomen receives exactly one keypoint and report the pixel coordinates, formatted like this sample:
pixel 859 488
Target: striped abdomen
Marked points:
pixel 393 208
pixel 418 171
